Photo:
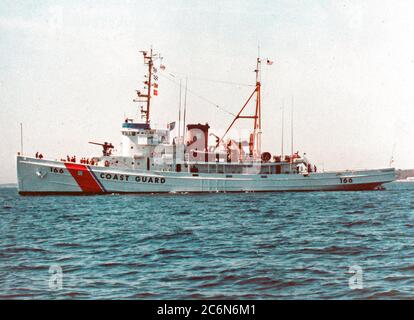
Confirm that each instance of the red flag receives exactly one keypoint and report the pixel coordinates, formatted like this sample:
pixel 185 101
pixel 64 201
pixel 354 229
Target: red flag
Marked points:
pixel 155 92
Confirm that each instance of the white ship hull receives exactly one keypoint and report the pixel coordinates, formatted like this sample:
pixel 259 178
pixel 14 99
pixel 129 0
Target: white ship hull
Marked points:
pixel 42 177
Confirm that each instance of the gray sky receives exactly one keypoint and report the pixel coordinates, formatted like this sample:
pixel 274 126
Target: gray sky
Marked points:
pixel 68 71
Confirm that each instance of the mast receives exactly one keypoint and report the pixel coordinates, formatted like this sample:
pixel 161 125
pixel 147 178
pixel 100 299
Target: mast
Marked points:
pixel 257 119
pixel 257 115
pixel 146 97
pixel 255 135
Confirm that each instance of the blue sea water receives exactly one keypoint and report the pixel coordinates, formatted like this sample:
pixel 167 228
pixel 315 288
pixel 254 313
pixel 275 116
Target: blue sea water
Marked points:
pixel 244 246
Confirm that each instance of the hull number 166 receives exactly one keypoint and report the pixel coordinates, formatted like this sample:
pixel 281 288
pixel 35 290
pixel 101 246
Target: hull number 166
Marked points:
pixel 345 180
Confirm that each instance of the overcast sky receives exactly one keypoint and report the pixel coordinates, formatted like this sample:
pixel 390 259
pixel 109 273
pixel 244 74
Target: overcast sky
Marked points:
pixel 68 71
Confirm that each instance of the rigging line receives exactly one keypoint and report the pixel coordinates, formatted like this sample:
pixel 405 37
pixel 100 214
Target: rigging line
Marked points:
pixel 199 96
pixel 218 81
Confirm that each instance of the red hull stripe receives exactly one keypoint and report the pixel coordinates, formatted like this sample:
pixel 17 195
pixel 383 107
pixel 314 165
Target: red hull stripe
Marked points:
pixel 96 179
pixel 83 178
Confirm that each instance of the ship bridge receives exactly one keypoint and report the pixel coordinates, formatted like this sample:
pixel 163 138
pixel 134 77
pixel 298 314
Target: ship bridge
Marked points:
pixel 139 140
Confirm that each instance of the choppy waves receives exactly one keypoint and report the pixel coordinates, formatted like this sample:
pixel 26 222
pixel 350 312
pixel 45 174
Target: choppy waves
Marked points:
pixel 217 246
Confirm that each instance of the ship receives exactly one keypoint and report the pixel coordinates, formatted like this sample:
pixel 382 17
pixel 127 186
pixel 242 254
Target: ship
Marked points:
pixel 151 161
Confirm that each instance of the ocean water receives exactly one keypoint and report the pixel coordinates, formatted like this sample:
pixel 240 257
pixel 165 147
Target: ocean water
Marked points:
pixel 337 245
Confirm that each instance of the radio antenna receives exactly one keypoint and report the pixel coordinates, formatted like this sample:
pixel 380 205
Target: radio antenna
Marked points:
pixel 283 125
pixel 21 138
pixel 179 114
pixel 291 130
pixel 185 108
